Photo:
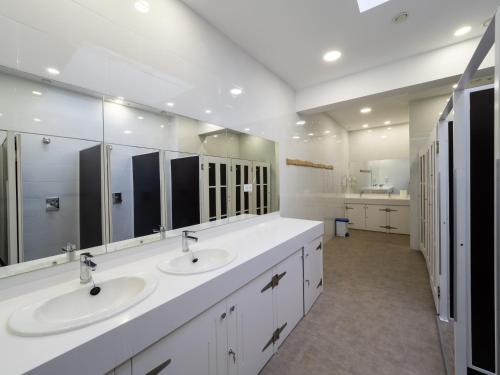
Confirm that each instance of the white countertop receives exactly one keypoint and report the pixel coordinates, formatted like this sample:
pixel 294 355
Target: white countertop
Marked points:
pixel 394 199
pixel 259 242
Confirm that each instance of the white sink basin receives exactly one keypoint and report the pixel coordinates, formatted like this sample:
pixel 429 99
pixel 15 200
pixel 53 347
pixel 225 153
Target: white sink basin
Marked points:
pixel 78 308
pixel 207 260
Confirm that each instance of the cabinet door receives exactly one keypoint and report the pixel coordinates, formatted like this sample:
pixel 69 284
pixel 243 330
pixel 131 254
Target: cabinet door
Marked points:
pixel 189 350
pixel 250 326
pixel 289 295
pixel 399 219
pixel 313 273
pixel 356 215
pixel 376 218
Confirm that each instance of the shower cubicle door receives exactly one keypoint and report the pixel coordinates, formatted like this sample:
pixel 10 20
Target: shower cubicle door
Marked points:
pixel 215 188
pixel 262 187
pixel 185 191
pixel 241 187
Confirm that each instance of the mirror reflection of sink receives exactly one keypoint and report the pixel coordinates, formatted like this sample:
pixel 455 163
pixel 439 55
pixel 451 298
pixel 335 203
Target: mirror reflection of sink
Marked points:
pixel 207 260
pixel 78 308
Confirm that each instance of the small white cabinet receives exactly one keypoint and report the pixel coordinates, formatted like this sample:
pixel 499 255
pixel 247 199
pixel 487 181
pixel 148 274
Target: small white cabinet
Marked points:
pixel 376 218
pixel 399 219
pixel 313 273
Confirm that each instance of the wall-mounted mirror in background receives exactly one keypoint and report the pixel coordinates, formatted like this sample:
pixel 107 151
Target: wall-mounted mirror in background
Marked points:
pixel 390 176
pixel 82 172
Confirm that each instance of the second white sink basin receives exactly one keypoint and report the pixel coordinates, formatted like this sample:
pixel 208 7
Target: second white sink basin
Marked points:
pixel 78 308
pixel 207 260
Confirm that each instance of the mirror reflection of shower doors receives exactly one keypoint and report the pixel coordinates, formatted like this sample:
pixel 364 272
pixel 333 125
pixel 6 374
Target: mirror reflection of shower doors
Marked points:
pixel 241 176
pixel 262 187
pixel 185 191
pixel 215 188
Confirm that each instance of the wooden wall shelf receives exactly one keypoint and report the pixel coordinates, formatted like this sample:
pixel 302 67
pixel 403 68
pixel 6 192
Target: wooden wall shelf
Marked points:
pixel 310 164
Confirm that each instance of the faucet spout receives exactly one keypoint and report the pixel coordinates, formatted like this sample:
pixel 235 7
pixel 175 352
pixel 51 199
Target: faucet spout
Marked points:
pixel 86 268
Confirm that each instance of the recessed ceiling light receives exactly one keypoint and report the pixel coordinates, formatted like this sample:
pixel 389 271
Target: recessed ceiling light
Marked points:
pixel 463 30
pixel 365 126
pixel 310 134
pixel 383 136
pixel 331 56
pixel 327 132
pixel 247 129
pixel 53 71
pixel 455 85
pixel 127 131
pixel 301 122
pixel 37 93
pixel 365 110
pixel 387 123
pixel 170 104
pixel 36 119
pixel 1 114
pixel 296 137
pixel 440 113
pixel 119 100
pixel 215 135
pixel 142 6
pixel 389 128
pixel 208 111
pixel 140 118
pixel 236 91
pixel 162 126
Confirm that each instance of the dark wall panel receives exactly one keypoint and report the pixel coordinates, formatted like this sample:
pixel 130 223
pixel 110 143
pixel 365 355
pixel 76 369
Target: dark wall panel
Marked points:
pixel 147 193
pixel 482 266
pixel 90 198
pixel 185 191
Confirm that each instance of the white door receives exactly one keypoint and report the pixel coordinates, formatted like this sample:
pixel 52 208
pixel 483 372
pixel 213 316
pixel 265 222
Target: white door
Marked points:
pixel 250 326
pixel 241 183
pixel 215 188
pixel 399 219
pixel 356 215
pixel 288 295
pixel 376 218
pixel 313 273
pixel 189 350
pixel 262 187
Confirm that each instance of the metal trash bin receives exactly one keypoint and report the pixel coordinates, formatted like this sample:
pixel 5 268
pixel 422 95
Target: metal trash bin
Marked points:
pixel 341 227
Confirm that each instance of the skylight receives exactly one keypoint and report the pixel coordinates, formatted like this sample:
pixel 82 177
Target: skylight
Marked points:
pixel 365 5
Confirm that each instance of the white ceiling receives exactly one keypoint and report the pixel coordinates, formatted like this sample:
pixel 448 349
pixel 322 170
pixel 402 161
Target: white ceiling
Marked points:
pixel 290 36
pixel 394 106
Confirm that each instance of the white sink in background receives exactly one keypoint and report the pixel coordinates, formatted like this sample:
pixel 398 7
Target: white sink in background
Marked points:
pixel 207 260
pixel 78 308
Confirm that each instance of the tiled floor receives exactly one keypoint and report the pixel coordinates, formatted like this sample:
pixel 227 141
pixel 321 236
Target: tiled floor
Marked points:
pixel 376 315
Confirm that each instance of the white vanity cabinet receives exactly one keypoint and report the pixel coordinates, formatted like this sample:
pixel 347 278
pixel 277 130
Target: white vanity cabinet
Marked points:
pixel 389 218
pixel 238 335
pixel 313 273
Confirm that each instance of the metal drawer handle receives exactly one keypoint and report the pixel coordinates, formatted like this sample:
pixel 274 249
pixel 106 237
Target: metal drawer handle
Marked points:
pixel 158 369
pixel 223 316
pixel 233 354
pixel 319 246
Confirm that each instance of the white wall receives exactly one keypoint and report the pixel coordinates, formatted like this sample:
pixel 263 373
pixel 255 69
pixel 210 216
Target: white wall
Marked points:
pixel 315 193
pixel 424 115
pixel 380 143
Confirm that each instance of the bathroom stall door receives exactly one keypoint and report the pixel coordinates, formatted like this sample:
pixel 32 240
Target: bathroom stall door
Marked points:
pixel 215 188
pixel 185 191
pixel 147 193
pixel 262 187
pixel 90 197
pixel 241 186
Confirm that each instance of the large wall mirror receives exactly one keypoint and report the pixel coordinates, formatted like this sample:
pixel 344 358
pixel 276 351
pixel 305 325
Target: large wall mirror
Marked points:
pixel 82 171
pixel 389 176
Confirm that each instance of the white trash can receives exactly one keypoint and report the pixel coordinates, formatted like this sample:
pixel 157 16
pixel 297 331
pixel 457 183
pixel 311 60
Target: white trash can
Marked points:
pixel 341 227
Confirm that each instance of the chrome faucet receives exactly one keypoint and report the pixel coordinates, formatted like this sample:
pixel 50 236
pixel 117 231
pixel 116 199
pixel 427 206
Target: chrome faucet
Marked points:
pixel 185 240
pixel 162 230
pixel 86 268
pixel 69 249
